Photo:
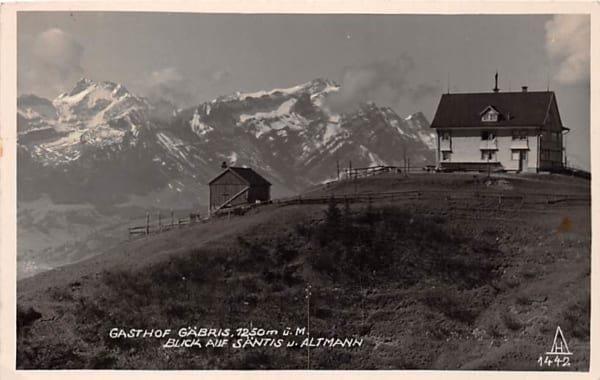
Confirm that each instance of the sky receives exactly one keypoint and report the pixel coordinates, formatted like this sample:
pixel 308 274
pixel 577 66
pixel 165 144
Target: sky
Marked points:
pixel 402 61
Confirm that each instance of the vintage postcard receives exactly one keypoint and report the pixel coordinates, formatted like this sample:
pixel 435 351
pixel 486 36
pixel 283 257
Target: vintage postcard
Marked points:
pixel 211 187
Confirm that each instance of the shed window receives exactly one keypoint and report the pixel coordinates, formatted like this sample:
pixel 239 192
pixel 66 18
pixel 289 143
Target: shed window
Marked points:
pixel 445 156
pixel 445 136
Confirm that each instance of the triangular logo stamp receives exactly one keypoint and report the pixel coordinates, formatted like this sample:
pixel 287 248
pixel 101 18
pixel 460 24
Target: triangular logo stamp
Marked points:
pixel 559 345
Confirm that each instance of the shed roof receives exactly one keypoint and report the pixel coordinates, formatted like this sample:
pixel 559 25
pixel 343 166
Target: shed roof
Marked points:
pixel 248 175
pixel 516 109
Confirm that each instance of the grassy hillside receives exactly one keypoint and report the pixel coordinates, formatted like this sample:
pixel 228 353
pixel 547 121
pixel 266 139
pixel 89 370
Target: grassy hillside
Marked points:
pixel 430 284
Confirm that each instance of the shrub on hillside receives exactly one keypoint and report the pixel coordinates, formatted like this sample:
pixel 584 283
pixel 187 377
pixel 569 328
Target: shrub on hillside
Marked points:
pixel 26 316
pixel 575 316
pixel 452 303
pixel 391 241
pixel 511 321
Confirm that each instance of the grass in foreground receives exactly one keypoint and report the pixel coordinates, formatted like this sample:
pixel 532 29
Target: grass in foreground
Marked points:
pixel 379 272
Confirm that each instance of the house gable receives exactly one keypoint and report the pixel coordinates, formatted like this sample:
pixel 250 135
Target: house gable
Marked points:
pixel 245 175
pixel 231 173
pixel 250 176
pixel 553 121
pixel 490 114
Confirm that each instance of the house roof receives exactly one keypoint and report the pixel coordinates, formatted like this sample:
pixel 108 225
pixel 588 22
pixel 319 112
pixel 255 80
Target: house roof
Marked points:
pixel 516 109
pixel 245 174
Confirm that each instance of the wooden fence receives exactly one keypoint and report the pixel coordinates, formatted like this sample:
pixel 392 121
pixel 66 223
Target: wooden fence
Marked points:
pixel 474 200
pixel 161 225
pixel 354 173
pixel 442 195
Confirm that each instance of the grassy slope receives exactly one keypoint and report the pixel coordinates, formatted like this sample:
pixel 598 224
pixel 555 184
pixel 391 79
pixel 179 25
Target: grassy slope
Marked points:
pixel 426 285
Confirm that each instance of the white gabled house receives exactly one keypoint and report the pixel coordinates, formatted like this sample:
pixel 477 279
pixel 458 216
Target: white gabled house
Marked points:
pixel 509 131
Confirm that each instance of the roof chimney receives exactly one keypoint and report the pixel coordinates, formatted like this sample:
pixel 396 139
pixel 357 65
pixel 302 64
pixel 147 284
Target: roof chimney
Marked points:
pixel 224 165
pixel 524 88
pixel 496 89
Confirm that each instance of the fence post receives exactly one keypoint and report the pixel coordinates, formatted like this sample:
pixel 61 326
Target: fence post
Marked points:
pixel 147 223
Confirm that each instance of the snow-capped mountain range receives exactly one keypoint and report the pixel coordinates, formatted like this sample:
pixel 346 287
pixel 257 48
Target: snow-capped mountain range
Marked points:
pixel 100 143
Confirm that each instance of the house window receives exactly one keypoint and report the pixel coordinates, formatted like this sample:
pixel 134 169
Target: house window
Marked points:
pixel 519 135
pixel 487 136
pixel 488 155
pixel 491 115
pixel 518 154
pixel 552 136
pixel 445 136
pixel 445 156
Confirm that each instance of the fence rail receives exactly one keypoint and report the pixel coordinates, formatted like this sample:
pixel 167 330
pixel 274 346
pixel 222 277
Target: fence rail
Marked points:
pixel 161 226
pixel 412 195
pixel 485 201
pixel 354 173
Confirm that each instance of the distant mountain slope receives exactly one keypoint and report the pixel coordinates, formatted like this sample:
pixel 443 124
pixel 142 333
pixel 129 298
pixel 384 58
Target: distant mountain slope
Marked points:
pixel 101 143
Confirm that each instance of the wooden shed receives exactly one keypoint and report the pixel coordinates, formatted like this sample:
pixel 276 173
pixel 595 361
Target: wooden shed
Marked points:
pixel 236 186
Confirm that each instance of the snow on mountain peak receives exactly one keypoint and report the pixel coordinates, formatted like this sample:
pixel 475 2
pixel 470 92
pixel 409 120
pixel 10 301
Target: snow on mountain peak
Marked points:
pixel 92 114
pixel 418 124
pixel 313 87
pixel 95 103
pixel 198 127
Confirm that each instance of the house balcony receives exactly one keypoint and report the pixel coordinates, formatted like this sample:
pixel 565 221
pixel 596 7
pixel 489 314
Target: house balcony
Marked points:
pixel 519 144
pixel 445 145
pixel 489 145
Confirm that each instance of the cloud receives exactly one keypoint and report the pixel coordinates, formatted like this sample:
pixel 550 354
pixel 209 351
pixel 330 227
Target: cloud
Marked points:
pixel 170 85
pixel 59 52
pixel 221 74
pixel 164 76
pixel 568 47
pixel 166 85
pixel 52 62
pixel 382 82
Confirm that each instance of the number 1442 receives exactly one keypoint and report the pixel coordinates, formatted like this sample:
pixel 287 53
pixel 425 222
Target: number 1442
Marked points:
pixel 555 361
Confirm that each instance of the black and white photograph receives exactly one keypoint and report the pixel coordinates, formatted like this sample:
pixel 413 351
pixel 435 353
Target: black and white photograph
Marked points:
pixel 302 191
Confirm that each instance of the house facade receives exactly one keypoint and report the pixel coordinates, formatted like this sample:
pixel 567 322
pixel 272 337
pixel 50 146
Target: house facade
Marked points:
pixel 509 131
pixel 236 186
